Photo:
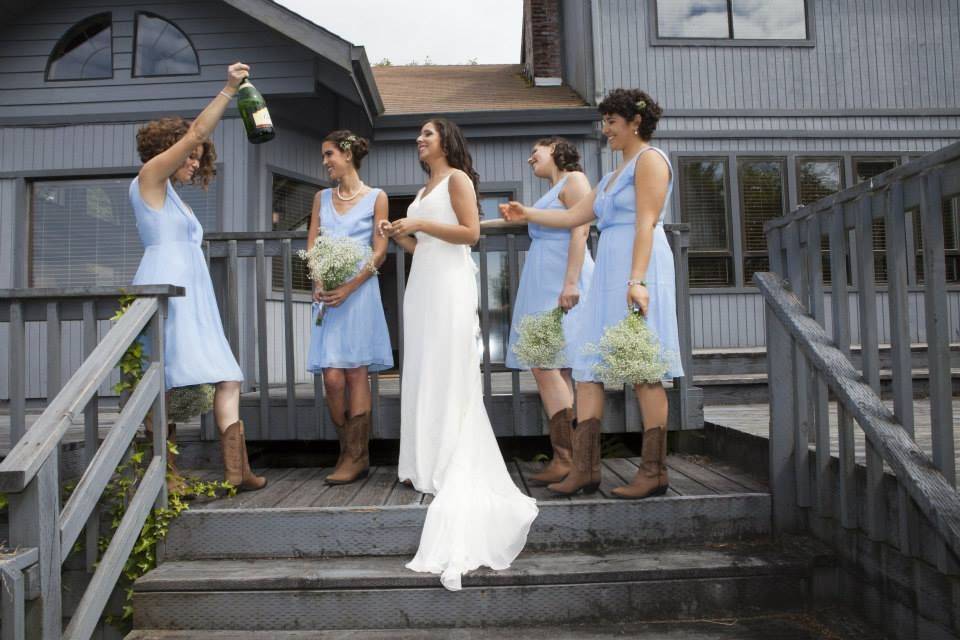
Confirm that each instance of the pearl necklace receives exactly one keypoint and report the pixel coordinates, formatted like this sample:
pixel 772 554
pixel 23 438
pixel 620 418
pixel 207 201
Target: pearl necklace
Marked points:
pixel 339 195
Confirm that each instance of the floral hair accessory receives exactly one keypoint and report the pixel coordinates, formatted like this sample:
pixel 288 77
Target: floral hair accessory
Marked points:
pixel 347 143
pixel 641 105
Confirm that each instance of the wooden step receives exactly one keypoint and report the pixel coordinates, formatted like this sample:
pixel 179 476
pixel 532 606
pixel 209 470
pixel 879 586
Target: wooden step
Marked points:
pixel 541 588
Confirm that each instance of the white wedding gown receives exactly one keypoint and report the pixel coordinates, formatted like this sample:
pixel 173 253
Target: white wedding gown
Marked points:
pixel 447 447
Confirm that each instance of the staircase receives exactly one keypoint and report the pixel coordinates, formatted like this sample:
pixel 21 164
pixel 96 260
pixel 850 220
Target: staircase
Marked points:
pixel 300 556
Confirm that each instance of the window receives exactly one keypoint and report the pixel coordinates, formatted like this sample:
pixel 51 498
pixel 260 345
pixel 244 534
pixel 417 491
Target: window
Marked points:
pixel 85 52
pixel 818 178
pixel 762 198
pixel 498 281
pixel 951 240
pixel 162 49
pixel 863 170
pixel 84 233
pixel 705 206
pixel 292 205
pixel 731 20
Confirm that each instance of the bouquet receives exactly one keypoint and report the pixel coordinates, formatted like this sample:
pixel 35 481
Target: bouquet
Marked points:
pixel 540 341
pixel 629 353
pixel 183 403
pixel 333 260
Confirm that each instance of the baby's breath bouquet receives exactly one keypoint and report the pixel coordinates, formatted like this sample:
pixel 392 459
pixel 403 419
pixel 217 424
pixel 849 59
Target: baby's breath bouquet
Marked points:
pixel 540 342
pixel 183 403
pixel 332 260
pixel 629 354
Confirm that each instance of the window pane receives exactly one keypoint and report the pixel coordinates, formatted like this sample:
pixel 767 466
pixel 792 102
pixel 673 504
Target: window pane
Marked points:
pixel 488 206
pixel 692 19
pixel 864 169
pixel 83 232
pixel 819 178
pixel 704 203
pixel 951 240
pixel 292 204
pixel 761 199
pixel 162 49
pixel 498 281
pixel 710 271
pixel 85 52
pixel 769 19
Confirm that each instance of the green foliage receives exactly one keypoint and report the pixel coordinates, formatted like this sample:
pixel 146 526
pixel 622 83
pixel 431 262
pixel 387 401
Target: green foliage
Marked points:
pixel 3 501
pixel 132 361
pixel 384 62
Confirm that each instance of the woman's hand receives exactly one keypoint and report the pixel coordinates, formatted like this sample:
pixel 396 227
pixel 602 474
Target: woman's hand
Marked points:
pixel 401 227
pixel 236 73
pixel 569 297
pixel 638 297
pixel 513 212
pixel 336 297
pixel 318 292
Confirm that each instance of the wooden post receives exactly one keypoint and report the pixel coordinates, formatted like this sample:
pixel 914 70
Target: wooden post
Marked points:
pixel 17 367
pixel 681 252
pixel 286 256
pixel 790 237
pixel 54 340
pixel 818 388
pixel 91 434
pixel 263 357
pixel 513 269
pixel 155 332
pixel 783 479
pixel 485 325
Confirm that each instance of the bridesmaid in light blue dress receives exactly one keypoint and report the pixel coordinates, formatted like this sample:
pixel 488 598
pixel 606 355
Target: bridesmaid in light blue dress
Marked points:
pixel 556 272
pixel 352 337
pixel 195 348
pixel 634 269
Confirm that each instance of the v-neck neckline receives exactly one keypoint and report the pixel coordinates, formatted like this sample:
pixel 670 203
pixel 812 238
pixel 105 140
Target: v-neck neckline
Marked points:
pixel 607 188
pixel 352 207
pixel 436 186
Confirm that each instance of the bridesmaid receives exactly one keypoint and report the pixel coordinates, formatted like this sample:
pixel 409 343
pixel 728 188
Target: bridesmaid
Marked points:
pixel 196 351
pixel 552 252
pixel 353 339
pixel 634 270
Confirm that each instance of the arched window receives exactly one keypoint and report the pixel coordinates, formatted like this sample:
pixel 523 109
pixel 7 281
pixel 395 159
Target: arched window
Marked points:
pixel 162 49
pixel 85 52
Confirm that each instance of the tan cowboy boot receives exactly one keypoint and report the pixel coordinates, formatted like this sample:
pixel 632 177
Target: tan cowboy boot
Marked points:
pixel 562 461
pixel 356 462
pixel 651 479
pixel 342 438
pixel 585 472
pixel 235 464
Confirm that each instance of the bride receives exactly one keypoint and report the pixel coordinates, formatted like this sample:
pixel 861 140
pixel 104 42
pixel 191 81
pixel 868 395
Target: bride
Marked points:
pixel 478 516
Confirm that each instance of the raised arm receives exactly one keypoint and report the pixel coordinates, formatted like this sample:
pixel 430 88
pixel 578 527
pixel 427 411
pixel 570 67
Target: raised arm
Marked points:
pixel 651 179
pixel 581 213
pixel 576 189
pixel 156 171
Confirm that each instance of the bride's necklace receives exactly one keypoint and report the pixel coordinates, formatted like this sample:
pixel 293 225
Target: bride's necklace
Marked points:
pixel 355 193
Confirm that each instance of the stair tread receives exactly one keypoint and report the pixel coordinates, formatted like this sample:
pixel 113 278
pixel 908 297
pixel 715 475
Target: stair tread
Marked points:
pixel 358 572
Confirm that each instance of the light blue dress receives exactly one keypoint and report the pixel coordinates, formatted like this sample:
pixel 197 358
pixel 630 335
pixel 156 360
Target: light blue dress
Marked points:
pixel 543 273
pixel 196 350
pixel 355 333
pixel 606 302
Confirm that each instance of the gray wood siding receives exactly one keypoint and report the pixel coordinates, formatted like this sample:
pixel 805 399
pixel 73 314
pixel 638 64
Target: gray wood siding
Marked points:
pixel 880 54
pixel 220 34
pixel 577 47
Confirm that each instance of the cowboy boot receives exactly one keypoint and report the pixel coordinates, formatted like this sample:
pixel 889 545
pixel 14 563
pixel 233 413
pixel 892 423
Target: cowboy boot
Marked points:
pixel 356 461
pixel 560 435
pixel 585 471
pixel 235 464
pixel 651 479
pixel 342 438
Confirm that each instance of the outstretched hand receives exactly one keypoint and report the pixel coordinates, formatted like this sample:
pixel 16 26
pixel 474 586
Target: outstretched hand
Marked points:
pixel 513 212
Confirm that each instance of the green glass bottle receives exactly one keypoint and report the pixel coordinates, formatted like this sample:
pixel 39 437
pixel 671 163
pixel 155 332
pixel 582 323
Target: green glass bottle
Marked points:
pixel 253 111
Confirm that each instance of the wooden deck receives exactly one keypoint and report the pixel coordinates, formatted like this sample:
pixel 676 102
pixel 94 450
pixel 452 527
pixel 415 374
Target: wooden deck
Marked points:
pixel 305 487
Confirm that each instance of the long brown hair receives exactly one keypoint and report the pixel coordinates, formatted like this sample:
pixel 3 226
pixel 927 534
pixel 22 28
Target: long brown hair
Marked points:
pixel 454 146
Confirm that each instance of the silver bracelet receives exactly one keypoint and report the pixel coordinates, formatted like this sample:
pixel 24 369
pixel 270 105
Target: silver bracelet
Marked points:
pixel 642 283
pixel 227 95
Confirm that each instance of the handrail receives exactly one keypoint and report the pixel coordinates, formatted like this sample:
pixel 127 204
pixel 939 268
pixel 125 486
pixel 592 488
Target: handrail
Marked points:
pixel 14 591
pixel 928 487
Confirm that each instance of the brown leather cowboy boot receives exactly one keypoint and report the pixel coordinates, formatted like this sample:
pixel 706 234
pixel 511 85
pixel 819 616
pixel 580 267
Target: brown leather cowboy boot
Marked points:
pixel 585 472
pixel 342 438
pixel 651 479
pixel 235 464
pixel 356 462
pixel 560 435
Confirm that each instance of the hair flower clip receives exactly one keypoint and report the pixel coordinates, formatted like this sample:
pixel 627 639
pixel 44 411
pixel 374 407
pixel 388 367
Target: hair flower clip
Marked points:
pixel 641 105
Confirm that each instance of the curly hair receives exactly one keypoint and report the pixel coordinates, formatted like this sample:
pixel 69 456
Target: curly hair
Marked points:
pixel 629 103
pixel 565 155
pixel 157 136
pixel 454 146
pixel 347 140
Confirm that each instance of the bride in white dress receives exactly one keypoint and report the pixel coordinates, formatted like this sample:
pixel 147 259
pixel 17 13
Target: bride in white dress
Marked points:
pixel 447 447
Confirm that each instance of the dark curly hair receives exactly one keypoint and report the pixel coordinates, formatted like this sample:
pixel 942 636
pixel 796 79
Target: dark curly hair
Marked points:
pixel 629 103
pixel 157 136
pixel 454 146
pixel 347 140
pixel 565 155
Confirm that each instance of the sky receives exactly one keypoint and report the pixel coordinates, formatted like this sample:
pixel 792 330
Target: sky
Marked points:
pixel 443 31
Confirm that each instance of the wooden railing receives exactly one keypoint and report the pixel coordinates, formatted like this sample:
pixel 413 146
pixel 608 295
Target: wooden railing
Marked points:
pixel 807 365
pixel 40 531
pixel 245 311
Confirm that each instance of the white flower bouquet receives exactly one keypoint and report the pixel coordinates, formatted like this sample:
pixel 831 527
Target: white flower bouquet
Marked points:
pixel 629 354
pixel 540 341
pixel 333 260
pixel 183 403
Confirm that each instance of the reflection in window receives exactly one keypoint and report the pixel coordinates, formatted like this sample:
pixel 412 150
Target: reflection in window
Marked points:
pixel 85 52
pixel 84 233
pixel 162 49
pixel 817 179
pixel 292 204
pixel 705 206
pixel 761 199
pixel 498 282
pixel 732 19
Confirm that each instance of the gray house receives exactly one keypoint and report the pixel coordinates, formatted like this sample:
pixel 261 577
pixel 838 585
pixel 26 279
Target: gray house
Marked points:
pixel 768 106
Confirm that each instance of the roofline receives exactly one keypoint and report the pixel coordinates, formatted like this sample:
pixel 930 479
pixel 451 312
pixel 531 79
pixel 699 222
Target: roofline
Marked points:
pixel 492 116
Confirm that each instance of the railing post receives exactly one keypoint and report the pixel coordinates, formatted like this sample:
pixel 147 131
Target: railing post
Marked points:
pixel 17 364
pixel 513 271
pixel 156 337
pixel 681 251
pixel 485 324
pixel 91 433
pixel 34 515
pixel 263 355
pixel 783 480
pixel 286 255
pixel 818 388
pixel 791 240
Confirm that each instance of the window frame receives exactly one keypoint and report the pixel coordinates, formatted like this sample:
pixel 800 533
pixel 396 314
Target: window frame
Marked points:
pixel 785 198
pixel 275 293
pixel 134 52
pixel 74 27
pixel 728 218
pixel 656 40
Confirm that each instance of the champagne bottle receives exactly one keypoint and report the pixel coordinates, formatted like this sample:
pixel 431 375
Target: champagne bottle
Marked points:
pixel 253 112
